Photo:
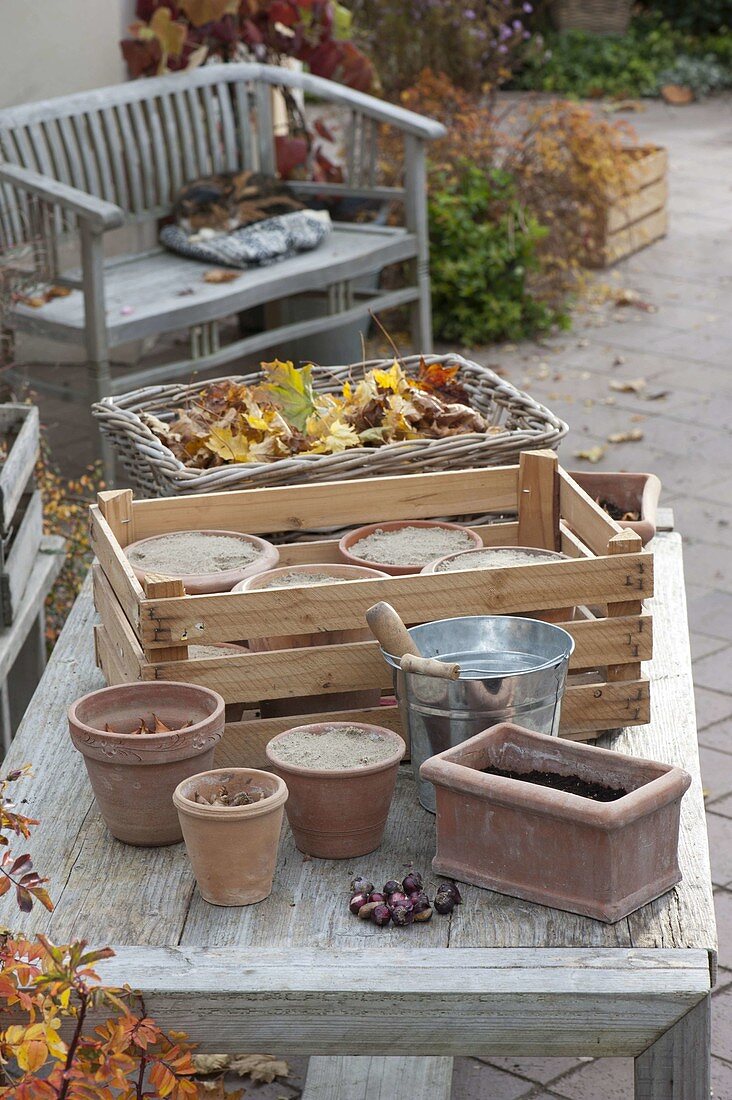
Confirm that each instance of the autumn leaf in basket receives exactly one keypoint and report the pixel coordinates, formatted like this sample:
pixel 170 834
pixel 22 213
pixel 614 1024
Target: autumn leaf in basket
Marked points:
pixel 292 390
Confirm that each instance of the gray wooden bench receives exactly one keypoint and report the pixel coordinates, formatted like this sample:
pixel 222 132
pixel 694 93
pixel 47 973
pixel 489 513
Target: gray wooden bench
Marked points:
pixel 298 974
pixel 113 157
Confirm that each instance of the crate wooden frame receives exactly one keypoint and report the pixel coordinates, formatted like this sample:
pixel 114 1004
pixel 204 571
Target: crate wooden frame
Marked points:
pixel 17 469
pixel 144 635
pixel 638 215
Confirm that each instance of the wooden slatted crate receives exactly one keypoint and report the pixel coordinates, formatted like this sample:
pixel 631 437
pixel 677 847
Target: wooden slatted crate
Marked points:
pixel 638 216
pixel 146 634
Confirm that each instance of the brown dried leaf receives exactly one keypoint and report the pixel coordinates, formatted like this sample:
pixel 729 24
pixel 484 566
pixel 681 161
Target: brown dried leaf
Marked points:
pixel 159 726
pixel 633 435
pixel 629 385
pixel 260 1067
pixel 211 1063
pixel 221 275
pixel 591 454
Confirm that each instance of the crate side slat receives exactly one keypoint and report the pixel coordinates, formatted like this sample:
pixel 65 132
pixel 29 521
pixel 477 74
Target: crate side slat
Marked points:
pixel 586 711
pixel 586 518
pixel 18 466
pixel 128 652
pixel 341 503
pixel 127 588
pixel 571 545
pixel 18 565
pixel 106 658
pixel 342 606
pixel 356 666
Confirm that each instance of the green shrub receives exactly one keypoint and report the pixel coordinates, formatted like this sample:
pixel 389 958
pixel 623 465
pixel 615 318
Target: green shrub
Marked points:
pixel 694 16
pixel 483 249
pixel 651 54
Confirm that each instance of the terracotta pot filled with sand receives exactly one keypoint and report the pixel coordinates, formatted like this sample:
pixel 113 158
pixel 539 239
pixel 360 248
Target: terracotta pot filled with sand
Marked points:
pixel 231 820
pixel 341 779
pixel 403 547
pixel 292 577
pixel 205 561
pixel 139 741
pixel 497 557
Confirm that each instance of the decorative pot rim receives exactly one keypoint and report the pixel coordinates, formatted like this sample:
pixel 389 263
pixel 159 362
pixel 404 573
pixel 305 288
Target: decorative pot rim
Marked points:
pixel 250 584
pixel 358 533
pixel 267 558
pixel 88 738
pixel 270 802
pixel 337 774
pixel 668 784
pixel 433 566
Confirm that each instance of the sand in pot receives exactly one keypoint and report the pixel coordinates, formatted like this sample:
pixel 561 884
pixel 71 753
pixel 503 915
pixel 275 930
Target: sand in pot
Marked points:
pixel 497 558
pixel 334 747
pixel 205 561
pixel 302 580
pixel 411 545
pixel 181 553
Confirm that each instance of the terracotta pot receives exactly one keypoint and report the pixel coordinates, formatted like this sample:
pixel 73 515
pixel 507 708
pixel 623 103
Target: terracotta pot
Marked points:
pixel 232 849
pixel 339 813
pixel 532 554
pixel 222 581
pixel 630 492
pixel 313 704
pixel 600 859
pixel 134 775
pixel 353 537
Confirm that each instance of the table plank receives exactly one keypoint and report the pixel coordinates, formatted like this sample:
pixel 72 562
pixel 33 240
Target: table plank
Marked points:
pixel 112 893
pixel 377 1078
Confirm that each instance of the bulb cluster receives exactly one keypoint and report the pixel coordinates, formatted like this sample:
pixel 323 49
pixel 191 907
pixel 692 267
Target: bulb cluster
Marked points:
pixel 401 903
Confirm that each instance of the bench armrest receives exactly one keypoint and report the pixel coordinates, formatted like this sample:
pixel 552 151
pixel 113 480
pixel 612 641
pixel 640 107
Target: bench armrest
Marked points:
pixel 408 121
pixel 100 215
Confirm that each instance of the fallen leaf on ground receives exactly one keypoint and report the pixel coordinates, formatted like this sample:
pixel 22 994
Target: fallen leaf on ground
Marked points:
pixel 211 1063
pixel 677 94
pixel 220 275
pixel 629 385
pixel 617 105
pixel 592 454
pixel 618 360
pixel 58 292
pixel 260 1067
pixel 627 297
pixel 657 395
pixel 634 435
pixel 216 1090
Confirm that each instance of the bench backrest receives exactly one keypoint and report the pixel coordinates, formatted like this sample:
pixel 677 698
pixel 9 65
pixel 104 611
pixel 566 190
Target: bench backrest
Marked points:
pixel 136 144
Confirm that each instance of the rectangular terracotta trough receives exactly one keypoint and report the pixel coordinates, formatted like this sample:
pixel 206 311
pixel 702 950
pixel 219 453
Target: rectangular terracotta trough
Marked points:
pixel 599 859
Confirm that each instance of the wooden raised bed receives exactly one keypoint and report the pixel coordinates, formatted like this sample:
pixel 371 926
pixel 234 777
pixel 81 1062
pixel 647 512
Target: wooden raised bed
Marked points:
pixel 145 635
pixel 19 436
pixel 638 216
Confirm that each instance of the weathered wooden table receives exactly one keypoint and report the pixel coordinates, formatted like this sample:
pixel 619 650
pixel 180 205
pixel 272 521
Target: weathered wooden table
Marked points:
pixel 299 974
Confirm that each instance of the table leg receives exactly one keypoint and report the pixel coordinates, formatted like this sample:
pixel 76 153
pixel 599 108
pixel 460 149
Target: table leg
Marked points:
pixel 678 1065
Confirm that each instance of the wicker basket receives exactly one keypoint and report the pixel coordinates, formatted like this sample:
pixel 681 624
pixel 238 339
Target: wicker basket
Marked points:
pixel 594 16
pixel 154 469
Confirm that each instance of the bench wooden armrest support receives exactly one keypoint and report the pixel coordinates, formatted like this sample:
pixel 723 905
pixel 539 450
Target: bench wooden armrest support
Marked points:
pixel 98 213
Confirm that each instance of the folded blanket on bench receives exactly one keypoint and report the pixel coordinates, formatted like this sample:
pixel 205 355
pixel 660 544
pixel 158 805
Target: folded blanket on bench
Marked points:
pixel 265 242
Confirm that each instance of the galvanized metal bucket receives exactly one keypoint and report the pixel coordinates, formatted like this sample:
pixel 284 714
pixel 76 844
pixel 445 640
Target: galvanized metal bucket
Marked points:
pixel 512 670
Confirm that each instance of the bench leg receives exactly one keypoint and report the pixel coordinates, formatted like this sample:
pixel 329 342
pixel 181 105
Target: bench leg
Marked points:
pixel 678 1065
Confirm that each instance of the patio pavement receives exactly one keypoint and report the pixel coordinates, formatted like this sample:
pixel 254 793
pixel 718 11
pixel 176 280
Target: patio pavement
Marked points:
pixel 682 350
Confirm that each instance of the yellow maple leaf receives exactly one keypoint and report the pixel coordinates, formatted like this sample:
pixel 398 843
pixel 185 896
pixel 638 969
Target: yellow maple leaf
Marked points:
pixel 201 12
pixel 391 379
pixel 340 436
pixel 230 447
pixel 291 388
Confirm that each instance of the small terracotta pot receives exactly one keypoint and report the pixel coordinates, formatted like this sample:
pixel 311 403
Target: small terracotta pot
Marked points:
pixel 630 492
pixel 339 814
pixel 222 581
pixel 532 554
pixel 313 704
pixel 600 859
pixel 353 537
pixel 134 775
pixel 232 849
